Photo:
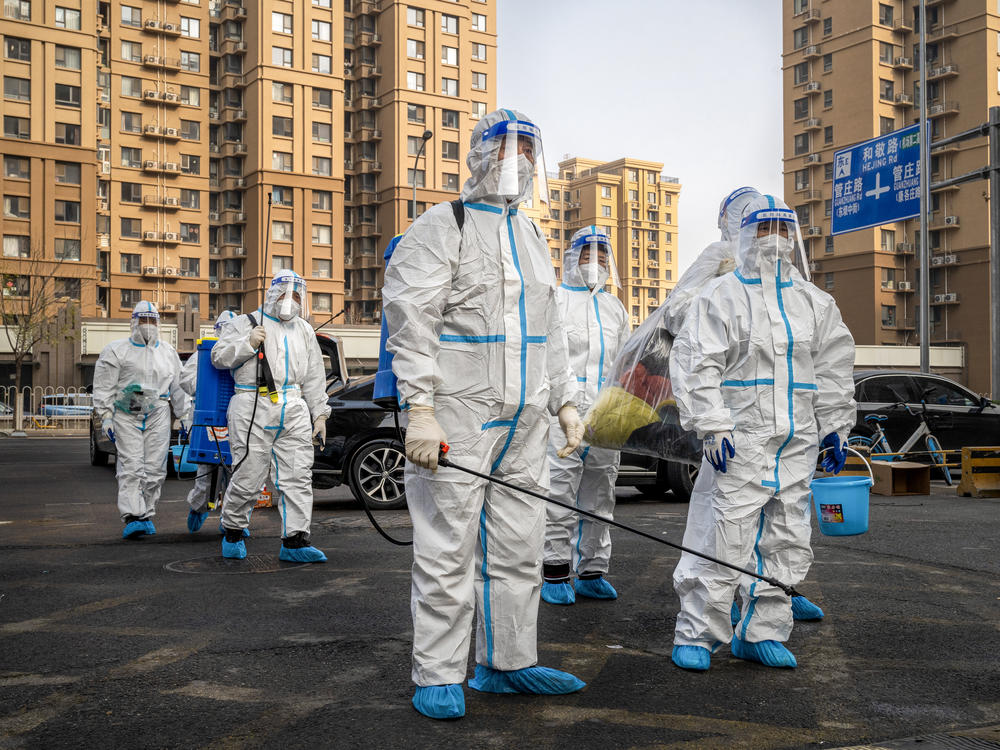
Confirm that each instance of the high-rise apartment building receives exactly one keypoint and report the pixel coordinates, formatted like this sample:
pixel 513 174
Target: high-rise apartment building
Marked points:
pixel 851 72
pixel 636 205
pixel 142 138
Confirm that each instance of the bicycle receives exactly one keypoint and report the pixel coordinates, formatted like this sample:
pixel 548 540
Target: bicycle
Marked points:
pixel 880 449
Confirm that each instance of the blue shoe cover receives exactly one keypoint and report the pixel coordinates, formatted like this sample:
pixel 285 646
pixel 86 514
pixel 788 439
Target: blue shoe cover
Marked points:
pixel 768 653
pixel 735 614
pixel 803 609
pixel 134 530
pixel 196 520
pixel 695 658
pixel 222 530
pixel 595 588
pixel 150 529
pixel 440 701
pixel 558 593
pixel 302 554
pixel 530 680
pixel 234 550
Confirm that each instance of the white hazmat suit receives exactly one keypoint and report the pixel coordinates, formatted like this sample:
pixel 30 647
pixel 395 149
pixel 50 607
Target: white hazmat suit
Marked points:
pixel 596 326
pixel 280 434
pixel 134 378
pixel 765 361
pixel 480 358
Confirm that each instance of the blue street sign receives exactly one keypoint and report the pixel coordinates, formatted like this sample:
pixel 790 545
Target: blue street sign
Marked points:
pixel 877 181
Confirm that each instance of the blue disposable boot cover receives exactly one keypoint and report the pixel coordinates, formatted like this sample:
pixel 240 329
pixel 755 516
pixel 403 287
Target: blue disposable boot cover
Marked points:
pixel 234 550
pixel 558 593
pixel 530 680
pixel 150 529
pixel 803 609
pixel 134 529
pixel 595 588
pixel 696 658
pixel 302 554
pixel 768 653
pixel 440 701
pixel 196 520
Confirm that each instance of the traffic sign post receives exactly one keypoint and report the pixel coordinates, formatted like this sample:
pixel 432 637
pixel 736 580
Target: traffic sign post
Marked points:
pixel 877 181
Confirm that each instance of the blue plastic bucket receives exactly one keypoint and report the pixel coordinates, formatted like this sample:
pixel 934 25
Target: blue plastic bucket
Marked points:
pixel 841 504
pixel 179 455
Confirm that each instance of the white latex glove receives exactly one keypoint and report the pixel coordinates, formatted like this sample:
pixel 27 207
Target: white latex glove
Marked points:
pixel 319 432
pixel 572 427
pixel 718 446
pixel 257 336
pixel 424 437
pixel 108 428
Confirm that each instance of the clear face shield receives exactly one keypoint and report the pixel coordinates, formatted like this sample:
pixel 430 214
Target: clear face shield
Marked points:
pixel 770 242
pixel 148 325
pixel 731 211
pixel 290 296
pixel 596 260
pixel 519 157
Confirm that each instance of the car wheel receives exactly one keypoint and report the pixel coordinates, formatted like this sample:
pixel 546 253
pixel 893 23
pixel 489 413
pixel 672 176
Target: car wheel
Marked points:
pixel 681 477
pixel 376 475
pixel 97 456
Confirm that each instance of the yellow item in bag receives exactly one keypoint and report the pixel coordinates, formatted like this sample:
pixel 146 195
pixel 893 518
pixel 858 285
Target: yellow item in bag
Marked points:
pixel 615 416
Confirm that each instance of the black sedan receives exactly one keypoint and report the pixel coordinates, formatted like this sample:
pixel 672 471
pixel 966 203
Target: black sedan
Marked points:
pixel 956 416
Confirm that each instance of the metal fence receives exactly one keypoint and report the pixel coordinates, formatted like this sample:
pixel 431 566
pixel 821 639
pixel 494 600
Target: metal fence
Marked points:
pixel 47 408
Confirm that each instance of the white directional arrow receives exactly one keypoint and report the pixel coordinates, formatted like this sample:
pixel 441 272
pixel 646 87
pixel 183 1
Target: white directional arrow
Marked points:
pixel 878 189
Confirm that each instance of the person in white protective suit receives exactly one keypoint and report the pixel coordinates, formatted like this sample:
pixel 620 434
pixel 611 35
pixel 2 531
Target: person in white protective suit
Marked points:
pixel 761 370
pixel 596 326
pixel 134 378
pixel 198 498
pixel 280 417
pixel 716 259
pixel 480 359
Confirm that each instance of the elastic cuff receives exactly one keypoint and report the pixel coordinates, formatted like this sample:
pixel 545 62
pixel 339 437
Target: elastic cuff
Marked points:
pixel 555 572
pixel 589 576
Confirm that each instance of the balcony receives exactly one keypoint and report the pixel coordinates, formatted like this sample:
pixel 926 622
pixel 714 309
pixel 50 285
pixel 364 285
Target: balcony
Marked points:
pixel 368 166
pixel 809 15
pixel 234 148
pixel 163 28
pixel 367 38
pixel 813 87
pixel 942 109
pixel 813 196
pixel 234 115
pixel 904 248
pixel 942 72
pixel 812 51
pixel 939 222
pixel 903 100
pixel 813 123
pixel 234 182
pixel 902 25
pixel 941 33
pixel 367 7
pixel 161 63
pixel 233 46
pixel 903 63
pixel 232 80
pixel 170 202
pixel 233 12
pixel 371 71
pixel 371 134
pixel 233 216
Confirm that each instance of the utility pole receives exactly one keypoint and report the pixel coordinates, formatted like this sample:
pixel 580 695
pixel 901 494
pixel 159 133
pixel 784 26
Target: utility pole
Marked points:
pixel 925 200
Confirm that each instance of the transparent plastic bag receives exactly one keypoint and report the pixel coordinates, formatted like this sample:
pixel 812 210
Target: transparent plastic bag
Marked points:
pixel 136 401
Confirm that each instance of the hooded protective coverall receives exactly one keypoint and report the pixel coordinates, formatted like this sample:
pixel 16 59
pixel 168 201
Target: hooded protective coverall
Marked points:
pixel 476 334
pixel 134 378
pixel 280 436
pixel 763 354
pixel 198 498
pixel 597 326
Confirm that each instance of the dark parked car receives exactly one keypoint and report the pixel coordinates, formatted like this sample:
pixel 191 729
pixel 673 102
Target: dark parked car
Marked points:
pixel 957 416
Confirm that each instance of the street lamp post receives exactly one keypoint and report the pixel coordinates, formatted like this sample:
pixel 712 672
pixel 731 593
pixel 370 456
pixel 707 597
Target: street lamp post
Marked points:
pixel 428 134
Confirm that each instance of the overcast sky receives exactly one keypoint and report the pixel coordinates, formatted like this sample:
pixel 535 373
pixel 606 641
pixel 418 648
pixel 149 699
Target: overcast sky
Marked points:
pixel 694 85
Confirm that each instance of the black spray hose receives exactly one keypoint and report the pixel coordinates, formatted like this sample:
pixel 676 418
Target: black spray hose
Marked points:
pixel 442 461
pixel 364 500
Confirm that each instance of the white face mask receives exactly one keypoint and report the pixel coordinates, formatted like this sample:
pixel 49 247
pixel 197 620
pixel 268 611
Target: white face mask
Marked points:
pixel 287 312
pixel 773 247
pixel 149 332
pixel 594 275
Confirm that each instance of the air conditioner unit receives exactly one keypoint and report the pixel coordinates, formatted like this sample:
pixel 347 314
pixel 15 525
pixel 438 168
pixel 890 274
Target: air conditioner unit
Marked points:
pixel 904 247
pixel 168 27
pixel 170 132
pixel 903 61
pixel 812 159
pixel 153 59
pixel 950 259
pixel 939 297
pixel 813 267
pixel 241 182
pixel 102 204
pixel 171 166
pixel 936 109
pixel 105 167
pixel 888 285
pixel 154 129
pixel 241 216
pixel 241 46
pixel 814 231
pixel 812 49
pixel 150 95
pixel 152 23
pixel 170 97
pixel 171 236
pixel 813 122
pixel 905 286
pixel 241 251
pixel 951 220
pixel 348 228
pixel 651 245
pixel 902 98
pixel 813 86
pixel 150 270
pixel 213 285
pixel 169 271
pixel 213 215
pixel 168 306
pixel 937 260
pixel 950 297
pixel 150 235
pixel 171 201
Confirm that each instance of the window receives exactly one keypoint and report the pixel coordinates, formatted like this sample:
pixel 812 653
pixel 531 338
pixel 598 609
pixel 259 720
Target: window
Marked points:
pixel 281 161
pixel 828 98
pixel 281 126
pixel 18 89
pixel 414 16
pixel 67 18
pixel 17 49
pixel 281 263
pixel 479 109
pixel 19 10
pixel 800 73
pixel 321 64
pixel 885 89
pixel 281 92
pixel 67 288
pixel 888 316
pixel 130 298
pixel 802 179
pixel 131 157
pixel 322 302
pixel 281 22
pixel 131 263
pixel 449 119
pixel 131 16
pixel 131 228
pixel 885 53
pixel 281 195
pixel 449 24
pixel 191 233
pixel 415 113
pixel 449 181
pixel 321 31
pixel 16 246
pixel 322 132
pixel 67 133
pixel 888 243
pixel 801 143
pixel 67 249
pixel 131 86
pixel 449 86
pixel 190 95
pixel 633 195
pixel 190 198
pixel 827 26
pixel 605 210
pixel 281 231
pixel 190 130
pixel 449 150
pixel 800 38
pixel 421 207
pixel 449 55
pixel 190 164
pixel 16 207
pixel 281 56
pixel 478 51
pixel 191 61
pixel 828 135
pixel 652 216
pixel 885 14
pixel 323 98
pixel 68 211
pixel 827 62
pixel 827 207
pixel 322 234
pixel 828 171
pixel 322 200
pixel 800 108
pixel 414 81
pixel 417 174
pixel 68 172
pixel 886 125
pixel 478 22
pixel 131 51
pixel 828 244
pixel 478 81
pixel 828 281
pixel 321 3
pixel 67 96
pixel 190 27
pixel 322 268
pixel 67 57
pixel 322 165
pixel 131 192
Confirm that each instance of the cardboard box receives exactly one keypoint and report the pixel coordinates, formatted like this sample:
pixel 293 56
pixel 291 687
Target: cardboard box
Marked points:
pixel 901 478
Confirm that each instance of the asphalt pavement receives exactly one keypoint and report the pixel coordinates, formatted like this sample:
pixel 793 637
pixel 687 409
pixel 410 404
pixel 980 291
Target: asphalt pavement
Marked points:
pixel 159 643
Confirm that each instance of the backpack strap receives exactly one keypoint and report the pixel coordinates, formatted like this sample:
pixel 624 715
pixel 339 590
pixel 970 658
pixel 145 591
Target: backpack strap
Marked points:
pixel 458 208
pixel 265 380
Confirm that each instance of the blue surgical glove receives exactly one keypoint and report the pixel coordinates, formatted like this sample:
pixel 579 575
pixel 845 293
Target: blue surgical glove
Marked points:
pixel 716 445
pixel 185 429
pixel 836 456
pixel 108 428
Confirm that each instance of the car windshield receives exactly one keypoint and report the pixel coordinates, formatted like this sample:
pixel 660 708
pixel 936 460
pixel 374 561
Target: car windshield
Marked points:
pixel 939 392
